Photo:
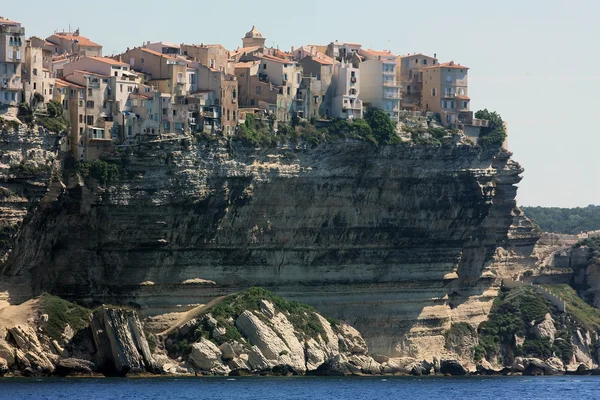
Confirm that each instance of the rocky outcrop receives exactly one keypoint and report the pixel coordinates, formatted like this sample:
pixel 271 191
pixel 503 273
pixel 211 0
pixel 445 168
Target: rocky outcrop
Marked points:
pixel 120 342
pixel 396 240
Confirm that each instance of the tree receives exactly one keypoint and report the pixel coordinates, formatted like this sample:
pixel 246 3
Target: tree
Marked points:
pixel 55 109
pixel 384 129
pixel 495 133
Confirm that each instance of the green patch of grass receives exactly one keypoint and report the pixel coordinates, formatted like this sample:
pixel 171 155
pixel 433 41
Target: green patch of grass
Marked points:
pixel 57 125
pixel 100 170
pixel 585 315
pixel 29 169
pixel 60 313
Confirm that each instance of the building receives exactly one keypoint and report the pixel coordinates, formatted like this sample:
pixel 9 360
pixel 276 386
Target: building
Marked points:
pixel 36 77
pixel 342 51
pixel 225 88
pixel 409 74
pixel 346 103
pixel 164 48
pixel 75 45
pixel 278 80
pixel 445 92
pixel 12 46
pixel 309 50
pixel 315 96
pixel 165 72
pixel 246 54
pixel 212 55
pixel 48 51
pixel 253 38
pixel 378 86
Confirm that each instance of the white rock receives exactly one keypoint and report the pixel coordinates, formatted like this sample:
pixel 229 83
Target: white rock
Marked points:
pixel 227 351
pixel 205 355
pixel 545 329
pixel 352 339
pixel 7 352
pixel 257 361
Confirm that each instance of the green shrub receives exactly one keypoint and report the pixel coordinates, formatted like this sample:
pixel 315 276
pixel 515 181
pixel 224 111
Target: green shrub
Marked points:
pixel 60 313
pixel 494 135
pixel 100 170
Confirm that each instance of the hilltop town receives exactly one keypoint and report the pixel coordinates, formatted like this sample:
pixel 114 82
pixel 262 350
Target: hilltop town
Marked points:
pixel 160 90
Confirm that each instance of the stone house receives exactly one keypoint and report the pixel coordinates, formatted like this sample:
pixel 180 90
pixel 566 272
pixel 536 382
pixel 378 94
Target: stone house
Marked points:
pixel 346 103
pixel 378 86
pixel 446 92
pixel 73 44
pixel 211 55
pixel 315 96
pixel 12 52
pixel 409 75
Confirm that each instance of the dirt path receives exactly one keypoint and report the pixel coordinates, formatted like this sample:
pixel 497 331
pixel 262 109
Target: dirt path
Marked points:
pixel 193 313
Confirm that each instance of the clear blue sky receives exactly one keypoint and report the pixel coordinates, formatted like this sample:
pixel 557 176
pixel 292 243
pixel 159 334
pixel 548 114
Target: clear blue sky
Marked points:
pixel 536 62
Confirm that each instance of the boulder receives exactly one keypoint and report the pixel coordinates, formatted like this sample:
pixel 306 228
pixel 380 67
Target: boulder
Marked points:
pixel 205 355
pixel 257 361
pixel 406 366
pixel 120 342
pixel 39 362
pixel 7 352
pixel 26 338
pixel 74 366
pixel 545 329
pixel 3 367
pixel 337 366
pixel 219 331
pixel 351 340
pixel 315 354
pixel 239 363
pixel 535 366
pixel 484 367
pixel 452 367
pixel 227 352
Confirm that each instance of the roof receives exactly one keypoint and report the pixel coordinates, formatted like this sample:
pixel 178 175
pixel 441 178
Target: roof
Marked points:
pixel 83 41
pixel 450 64
pixel 243 50
pixel 247 64
pixel 416 54
pixel 201 91
pixel 139 96
pixel 156 53
pixel 6 21
pixel 378 53
pixel 65 82
pixel 275 59
pixel 81 71
pixel 323 60
pixel 463 97
pixel 110 61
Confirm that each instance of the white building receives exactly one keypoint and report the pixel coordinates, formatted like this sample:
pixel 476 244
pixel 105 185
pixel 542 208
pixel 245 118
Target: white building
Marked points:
pixel 346 101
pixel 378 85
pixel 12 55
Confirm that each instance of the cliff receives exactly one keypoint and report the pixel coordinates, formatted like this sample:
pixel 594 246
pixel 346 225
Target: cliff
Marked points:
pixel 399 241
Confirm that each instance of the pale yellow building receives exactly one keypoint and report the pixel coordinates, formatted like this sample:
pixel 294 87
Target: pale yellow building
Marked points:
pixel 409 74
pixel 446 92
pixel 12 55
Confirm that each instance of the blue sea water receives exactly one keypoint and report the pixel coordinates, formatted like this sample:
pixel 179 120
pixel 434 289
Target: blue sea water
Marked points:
pixel 305 388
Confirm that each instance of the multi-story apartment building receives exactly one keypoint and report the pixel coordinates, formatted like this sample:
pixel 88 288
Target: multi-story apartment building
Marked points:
pixel 285 76
pixel 48 51
pixel 315 96
pixel 36 77
pixel 212 55
pixel 346 101
pixel 378 86
pixel 409 74
pixel 225 87
pixel 168 73
pixel 73 44
pixel 12 45
pixel 253 38
pixel 342 51
pixel 446 92
pixel 164 48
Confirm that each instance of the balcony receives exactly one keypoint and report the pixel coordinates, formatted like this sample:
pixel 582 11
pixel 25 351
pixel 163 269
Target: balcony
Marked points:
pixel 210 114
pixel 393 96
pixel 391 83
pixel 15 30
pixel 10 85
pixel 483 123
pixel 449 95
pixel 353 79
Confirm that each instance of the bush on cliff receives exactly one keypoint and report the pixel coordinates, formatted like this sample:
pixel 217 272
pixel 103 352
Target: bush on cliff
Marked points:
pixel 511 317
pixel 565 220
pixel 62 313
pixel 100 170
pixel 382 126
pixel 494 135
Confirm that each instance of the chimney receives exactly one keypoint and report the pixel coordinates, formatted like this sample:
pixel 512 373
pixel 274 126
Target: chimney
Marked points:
pixel 434 55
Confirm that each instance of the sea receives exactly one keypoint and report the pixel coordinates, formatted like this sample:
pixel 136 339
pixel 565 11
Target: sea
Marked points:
pixel 306 388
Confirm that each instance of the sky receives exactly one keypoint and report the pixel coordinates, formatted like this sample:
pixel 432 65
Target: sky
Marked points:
pixel 535 62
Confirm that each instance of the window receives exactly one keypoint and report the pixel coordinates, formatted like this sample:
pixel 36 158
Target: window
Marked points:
pixel 80 118
pixel 116 73
pixel 452 104
pixel 264 66
pixel 444 104
pixel 316 99
pixel 34 85
pixel 18 55
pixel 410 74
pixel 434 92
pixel 129 89
pixel 10 54
pixel 258 90
pixel 449 78
pixel 424 62
pixel 174 113
pixel 121 88
pixel 289 90
pixel 90 120
pixel 89 104
pixel 90 92
pixel 408 89
pixel 129 131
pixel 35 71
pixel 465 104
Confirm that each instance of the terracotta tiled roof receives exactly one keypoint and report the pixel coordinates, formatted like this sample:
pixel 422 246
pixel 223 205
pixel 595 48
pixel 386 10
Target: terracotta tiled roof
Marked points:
pixel 81 71
pixel 110 61
pixel 83 41
pixel 450 64
pixel 244 50
pixel 378 53
pixel 156 53
pixel 69 83
pixel 463 97
pixel 275 59
pixel 416 54
pixel 324 60
pixel 247 64
pixel 6 21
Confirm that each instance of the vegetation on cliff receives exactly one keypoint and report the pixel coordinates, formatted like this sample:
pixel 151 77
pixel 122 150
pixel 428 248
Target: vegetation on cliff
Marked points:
pixel 494 134
pixel 512 316
pixel 301 316
pixel 582 314
pixel 60 314
pixel 565 220
pixel 100 170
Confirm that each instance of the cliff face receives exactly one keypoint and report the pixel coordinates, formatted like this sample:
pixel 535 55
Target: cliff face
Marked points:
pixel 396 240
